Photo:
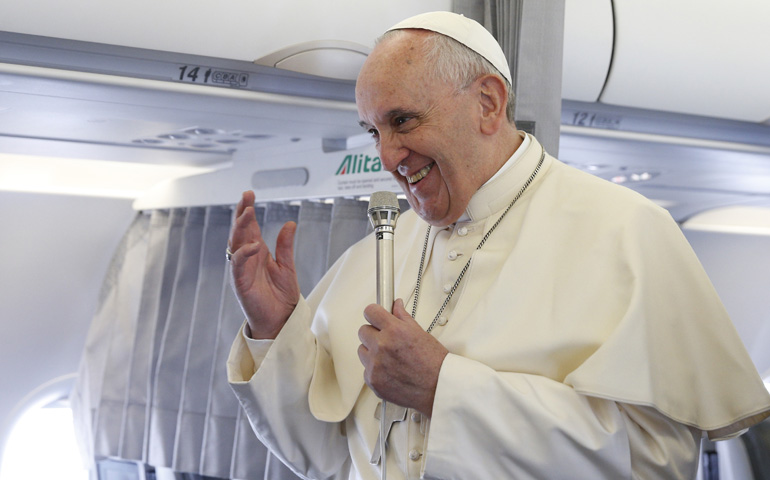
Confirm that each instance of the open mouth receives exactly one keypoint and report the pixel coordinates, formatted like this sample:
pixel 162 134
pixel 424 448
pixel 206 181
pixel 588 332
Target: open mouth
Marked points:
pixel 411 179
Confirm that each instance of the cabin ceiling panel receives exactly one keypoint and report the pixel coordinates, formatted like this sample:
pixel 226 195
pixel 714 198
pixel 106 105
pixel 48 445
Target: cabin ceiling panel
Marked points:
pixel 241 30
pixel 692 56
pixel 160 117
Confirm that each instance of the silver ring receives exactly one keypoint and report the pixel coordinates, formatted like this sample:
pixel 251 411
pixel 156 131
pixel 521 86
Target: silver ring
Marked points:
pixel 228 254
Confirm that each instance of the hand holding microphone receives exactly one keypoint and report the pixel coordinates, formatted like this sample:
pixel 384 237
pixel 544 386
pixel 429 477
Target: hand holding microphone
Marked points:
pixel 401 360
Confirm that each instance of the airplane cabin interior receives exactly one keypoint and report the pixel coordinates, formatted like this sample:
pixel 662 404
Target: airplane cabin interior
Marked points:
pixel 128 131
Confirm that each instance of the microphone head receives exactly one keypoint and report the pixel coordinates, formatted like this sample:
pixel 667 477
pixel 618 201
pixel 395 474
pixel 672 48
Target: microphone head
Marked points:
pixel 383 210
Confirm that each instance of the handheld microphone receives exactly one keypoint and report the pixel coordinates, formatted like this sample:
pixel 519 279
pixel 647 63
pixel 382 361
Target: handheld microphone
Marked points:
pixel 383 212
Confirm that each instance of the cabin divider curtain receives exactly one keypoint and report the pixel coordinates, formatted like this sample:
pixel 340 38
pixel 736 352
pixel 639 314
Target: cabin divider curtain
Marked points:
pixel 119 302
pixel 152 386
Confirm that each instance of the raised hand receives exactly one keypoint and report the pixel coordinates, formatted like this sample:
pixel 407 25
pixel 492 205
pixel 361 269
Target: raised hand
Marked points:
pixel 401 360
pixel 266 287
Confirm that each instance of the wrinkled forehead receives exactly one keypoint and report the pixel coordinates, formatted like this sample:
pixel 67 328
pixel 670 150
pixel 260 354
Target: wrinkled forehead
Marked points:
pixel 401 50
pixel 393 60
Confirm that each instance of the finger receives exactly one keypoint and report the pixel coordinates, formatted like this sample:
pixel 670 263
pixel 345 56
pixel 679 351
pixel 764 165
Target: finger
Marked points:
pixel 364 356
pixel 247 250
pixel 240 268
pixel 284 245
pixel 377 316
pixel 367 334
pixel 245 229
pixel 247 200
pixel 399 310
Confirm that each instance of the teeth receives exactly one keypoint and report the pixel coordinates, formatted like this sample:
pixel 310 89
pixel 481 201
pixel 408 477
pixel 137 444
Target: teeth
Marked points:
pixel 419 175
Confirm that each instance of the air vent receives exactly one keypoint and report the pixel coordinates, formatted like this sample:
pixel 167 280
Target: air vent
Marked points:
pixel 203 138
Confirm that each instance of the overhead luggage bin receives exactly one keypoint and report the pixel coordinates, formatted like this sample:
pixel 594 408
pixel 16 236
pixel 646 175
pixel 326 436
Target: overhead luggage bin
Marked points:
pixel 692 56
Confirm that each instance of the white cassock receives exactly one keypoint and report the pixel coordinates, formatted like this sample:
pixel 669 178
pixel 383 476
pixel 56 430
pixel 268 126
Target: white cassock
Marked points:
pixel 585 341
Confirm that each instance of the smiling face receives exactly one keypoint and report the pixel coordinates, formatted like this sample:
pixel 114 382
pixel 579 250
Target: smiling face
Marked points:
pixel 427 132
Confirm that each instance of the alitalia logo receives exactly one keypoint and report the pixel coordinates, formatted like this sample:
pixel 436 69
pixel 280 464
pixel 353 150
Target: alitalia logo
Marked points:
pixel 359 164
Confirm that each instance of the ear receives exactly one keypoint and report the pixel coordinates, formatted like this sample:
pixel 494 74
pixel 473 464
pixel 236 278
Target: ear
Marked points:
pixel 492 101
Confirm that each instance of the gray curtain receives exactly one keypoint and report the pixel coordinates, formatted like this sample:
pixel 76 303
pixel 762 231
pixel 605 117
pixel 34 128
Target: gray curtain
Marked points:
pixel 312 243
pixel 199 365
pixel 166 389
pixel 162 258
pixel 152 386
pixel 99 400
pixel 346 227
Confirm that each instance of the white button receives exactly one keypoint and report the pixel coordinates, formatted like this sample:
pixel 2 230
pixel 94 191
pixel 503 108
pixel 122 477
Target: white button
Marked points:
pixel 462 231
pixel 442 320
pixel 416 417
pixel 452 255
pixel 414 455
pixel 447 288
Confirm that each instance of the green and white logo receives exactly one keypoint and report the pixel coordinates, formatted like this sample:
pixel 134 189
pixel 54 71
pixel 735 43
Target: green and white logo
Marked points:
pixel 359 164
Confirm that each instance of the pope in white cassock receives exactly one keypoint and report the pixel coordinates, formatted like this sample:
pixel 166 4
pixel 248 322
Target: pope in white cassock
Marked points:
pixel 548 324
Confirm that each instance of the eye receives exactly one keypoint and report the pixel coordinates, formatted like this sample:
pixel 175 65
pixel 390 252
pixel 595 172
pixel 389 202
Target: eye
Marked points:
pixel 399 121
pixel 374 133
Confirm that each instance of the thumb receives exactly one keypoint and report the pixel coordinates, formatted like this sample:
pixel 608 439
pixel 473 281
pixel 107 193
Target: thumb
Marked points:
pixel 399 310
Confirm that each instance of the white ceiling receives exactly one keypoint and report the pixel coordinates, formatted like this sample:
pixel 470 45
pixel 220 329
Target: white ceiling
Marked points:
pixel 238 29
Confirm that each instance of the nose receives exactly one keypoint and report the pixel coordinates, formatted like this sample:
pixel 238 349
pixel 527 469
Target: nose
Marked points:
pixel 392 152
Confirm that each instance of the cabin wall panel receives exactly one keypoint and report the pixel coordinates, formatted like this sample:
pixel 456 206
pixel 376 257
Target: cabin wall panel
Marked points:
pixel 739 267
pixel 54 252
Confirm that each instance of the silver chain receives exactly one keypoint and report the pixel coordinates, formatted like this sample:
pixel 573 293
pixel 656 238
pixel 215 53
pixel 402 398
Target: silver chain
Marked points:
pixel 468 263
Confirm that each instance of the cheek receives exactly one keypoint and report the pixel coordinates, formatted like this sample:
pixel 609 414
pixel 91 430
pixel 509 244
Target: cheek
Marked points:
pixel 434 207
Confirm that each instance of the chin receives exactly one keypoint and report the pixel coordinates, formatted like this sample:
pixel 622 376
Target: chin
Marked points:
pixel 436 220
pixel 436 215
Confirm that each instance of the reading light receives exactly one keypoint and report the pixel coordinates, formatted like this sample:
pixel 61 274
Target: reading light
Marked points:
pixel 96 178
pixel 740 219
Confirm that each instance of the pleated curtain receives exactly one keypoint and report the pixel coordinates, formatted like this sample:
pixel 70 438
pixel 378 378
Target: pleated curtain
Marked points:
pixel 152 386
pixel 102 380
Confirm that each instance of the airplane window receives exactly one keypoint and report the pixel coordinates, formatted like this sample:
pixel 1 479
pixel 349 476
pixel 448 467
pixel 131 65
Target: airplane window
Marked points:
pixel 42 446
